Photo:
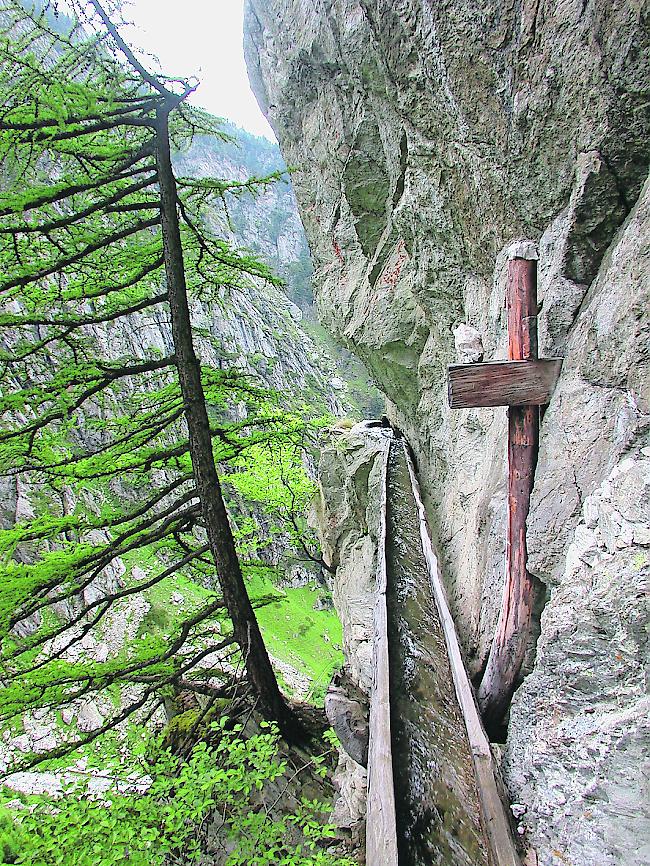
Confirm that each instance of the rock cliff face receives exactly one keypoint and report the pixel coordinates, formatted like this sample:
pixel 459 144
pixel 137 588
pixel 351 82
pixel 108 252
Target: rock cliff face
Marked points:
pixel 430 137
pixel 266 222
pixel 348 517
pixel 260 328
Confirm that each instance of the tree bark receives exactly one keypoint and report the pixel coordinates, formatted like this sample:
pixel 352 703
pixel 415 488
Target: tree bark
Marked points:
pixel 222 545
pixel 513 630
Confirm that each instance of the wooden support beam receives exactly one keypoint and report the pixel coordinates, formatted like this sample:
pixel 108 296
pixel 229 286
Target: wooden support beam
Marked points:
pixel 513 630
pixel 503 383
pixel 381 825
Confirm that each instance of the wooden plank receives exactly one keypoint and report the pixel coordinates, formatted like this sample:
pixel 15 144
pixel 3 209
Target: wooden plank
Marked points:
pixel 495 818
pixel 503 383
pixel 521 304
pixel 439 814
pixel 381 827
pixel 513 629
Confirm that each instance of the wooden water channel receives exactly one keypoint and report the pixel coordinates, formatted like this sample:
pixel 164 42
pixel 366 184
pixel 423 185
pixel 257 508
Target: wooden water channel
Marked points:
pixel 432 793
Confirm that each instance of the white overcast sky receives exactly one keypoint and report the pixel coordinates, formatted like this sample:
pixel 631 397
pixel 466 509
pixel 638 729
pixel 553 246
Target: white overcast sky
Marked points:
pixel 202 38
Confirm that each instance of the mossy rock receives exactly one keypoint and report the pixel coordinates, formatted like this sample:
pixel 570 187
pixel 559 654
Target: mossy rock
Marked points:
pixel 193 725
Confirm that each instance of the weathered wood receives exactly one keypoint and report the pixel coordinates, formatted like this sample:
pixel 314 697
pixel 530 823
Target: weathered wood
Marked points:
pixel 438 807
pixel 381 829
pixel 521 303
pixel 503 383
pixel 495 818
pixel 513 629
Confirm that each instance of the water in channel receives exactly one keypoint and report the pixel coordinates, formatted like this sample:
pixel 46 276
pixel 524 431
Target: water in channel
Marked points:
pixel 437 805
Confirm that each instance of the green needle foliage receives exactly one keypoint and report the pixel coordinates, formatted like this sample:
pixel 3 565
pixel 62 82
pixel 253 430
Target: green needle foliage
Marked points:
pixel 271 474
pixel 103 449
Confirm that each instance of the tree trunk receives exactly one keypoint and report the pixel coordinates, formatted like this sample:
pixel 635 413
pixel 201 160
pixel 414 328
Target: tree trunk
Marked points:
pixel 220 538
pixel 514 628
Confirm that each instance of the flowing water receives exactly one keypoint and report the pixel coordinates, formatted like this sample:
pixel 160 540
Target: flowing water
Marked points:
pixel 437 805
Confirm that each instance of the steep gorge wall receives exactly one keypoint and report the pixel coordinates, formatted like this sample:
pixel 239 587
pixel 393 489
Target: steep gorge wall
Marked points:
pixel 430 137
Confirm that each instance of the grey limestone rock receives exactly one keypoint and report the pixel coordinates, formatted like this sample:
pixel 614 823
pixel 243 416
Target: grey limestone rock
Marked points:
pixel 89 718
pixel 347 518
pixel 349 718
pixel 350 490
pixel 579 731
pixel 28 626
pixel 468 343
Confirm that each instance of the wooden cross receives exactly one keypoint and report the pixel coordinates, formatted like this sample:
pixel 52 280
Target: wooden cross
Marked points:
pixel 523 383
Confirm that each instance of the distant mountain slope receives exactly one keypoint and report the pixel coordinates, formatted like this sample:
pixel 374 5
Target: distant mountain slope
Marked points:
pixel 268 223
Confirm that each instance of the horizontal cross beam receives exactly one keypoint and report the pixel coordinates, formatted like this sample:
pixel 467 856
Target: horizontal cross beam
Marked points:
pixel 503 383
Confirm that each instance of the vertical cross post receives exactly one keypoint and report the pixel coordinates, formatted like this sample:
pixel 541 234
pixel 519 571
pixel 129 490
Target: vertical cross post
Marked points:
pixel 513 630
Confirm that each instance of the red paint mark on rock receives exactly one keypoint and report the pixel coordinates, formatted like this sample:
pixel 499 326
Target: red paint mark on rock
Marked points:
pixel 392 274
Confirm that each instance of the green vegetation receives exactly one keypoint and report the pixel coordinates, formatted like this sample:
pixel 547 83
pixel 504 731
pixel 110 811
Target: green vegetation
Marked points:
pixel 168 812
pixel 155 490
pixel 295 631
pixel 307 639
pixel 117 441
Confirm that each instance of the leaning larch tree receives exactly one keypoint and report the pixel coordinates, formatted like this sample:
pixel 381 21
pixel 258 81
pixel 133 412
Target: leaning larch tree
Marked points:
pixel 96 229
